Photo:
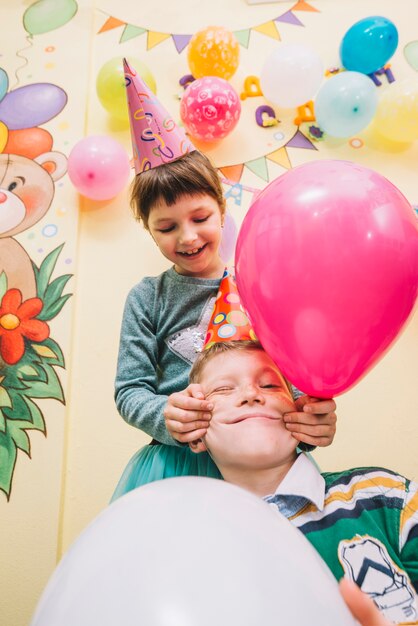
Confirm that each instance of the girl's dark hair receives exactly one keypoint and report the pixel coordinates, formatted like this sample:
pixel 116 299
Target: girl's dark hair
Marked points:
pixel 192 174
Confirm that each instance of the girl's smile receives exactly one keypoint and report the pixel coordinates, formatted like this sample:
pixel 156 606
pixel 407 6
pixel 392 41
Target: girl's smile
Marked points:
pixel 189 233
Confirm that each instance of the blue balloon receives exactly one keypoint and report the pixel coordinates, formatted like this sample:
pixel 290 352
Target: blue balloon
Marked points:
pixel 346 104
pixel 369 44
pixel 4 83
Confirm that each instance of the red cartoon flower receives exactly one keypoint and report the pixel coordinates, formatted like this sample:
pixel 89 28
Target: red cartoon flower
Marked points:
pixel 16 322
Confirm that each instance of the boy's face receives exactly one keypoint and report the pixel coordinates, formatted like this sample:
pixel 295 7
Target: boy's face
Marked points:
pixel 188 233
pixel 250 397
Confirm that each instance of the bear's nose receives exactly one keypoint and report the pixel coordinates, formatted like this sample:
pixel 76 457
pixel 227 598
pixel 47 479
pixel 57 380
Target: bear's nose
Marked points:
pixel 3 197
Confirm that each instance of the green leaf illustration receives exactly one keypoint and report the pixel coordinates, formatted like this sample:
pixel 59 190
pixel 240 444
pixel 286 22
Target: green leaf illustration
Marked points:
pixel 49 312
pixel 50 389
pixel 3 285
pixel 19 435
pixel 8 453
pixel 45 271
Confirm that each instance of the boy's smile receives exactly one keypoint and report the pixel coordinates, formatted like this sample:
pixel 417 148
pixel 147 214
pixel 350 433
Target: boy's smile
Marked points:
pixel 189 233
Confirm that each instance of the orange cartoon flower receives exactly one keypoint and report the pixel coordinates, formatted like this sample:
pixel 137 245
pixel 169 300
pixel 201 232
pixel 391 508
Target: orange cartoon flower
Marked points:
pixel 16 323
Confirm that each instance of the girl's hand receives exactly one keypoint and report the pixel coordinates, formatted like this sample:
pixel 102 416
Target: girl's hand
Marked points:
pixel 187 414
pixel 315 421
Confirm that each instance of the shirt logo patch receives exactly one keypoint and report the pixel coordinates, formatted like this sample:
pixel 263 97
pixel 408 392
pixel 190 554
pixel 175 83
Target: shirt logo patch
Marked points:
pixel 366 561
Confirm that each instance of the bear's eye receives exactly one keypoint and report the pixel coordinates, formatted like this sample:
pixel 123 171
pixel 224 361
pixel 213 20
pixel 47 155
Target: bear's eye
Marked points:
pixel 19 180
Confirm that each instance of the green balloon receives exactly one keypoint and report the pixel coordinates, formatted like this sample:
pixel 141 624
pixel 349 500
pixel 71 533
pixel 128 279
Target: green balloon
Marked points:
pixel 47 15
pixel 411 54
pixel 110 86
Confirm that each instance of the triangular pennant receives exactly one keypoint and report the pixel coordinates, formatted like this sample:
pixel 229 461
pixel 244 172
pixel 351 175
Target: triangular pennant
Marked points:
pixel 301 5
pixel 155 38
pixel 130 32
pixel 259 168
pixel 269 29
pixel 110 23
pixel 232 172
pixel 289 18
pixel 300 141
pixel 181 41
pixel 280 157
pixel 235 192
pixel 243 37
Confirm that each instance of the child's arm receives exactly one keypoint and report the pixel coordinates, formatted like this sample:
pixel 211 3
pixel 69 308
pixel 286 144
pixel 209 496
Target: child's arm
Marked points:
pixel 314 423
pixel 136 382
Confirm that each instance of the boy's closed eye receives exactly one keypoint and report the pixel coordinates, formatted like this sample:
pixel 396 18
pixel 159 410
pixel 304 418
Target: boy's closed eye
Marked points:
pixel 223 389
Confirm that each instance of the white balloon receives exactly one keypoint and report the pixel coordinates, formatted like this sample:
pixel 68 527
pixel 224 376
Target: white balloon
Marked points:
pixel 191 552
pixel 291 75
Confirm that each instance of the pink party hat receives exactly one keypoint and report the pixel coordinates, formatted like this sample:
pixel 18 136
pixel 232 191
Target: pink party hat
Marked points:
pixel 229 321
pixel 156 138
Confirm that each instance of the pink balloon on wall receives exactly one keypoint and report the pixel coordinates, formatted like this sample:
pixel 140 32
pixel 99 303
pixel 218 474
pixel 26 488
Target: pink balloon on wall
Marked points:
pixel 327 267
pixel 98 167
pixel 210 108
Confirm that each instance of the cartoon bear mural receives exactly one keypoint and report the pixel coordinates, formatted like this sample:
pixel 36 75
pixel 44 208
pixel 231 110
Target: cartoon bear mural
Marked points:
pixel 26 192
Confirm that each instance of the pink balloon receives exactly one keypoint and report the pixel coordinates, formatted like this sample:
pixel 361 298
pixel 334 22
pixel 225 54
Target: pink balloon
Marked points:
pixel 210 108
pixel 327 267
pixel 98 167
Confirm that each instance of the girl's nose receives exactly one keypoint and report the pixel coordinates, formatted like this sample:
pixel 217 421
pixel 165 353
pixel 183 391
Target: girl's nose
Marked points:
pixel 187 236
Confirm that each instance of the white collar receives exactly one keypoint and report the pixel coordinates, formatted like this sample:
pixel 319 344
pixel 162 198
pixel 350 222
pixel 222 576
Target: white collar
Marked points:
pixel 303 479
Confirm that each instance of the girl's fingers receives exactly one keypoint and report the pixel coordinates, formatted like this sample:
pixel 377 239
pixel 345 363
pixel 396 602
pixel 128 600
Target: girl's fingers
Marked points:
pixel 309 419
pixel 189 437
pixel 321 442
pixel 182 401
pixel 314 431
pixel 185 417
pixel 181 427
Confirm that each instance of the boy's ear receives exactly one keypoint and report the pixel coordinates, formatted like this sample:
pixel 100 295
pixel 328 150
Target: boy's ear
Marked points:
pixel 197 446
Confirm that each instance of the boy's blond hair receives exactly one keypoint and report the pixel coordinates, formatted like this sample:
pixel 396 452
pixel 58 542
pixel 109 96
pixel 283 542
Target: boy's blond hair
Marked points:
pixel 192 174
pixel 205 356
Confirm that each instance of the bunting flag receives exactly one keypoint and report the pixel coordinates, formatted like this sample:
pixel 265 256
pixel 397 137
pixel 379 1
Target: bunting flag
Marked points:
pixel 155 38
pixel 301 5
pixel 232 173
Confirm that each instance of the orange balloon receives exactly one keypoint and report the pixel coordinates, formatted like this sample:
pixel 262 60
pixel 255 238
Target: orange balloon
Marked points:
pixel 213 51
pixel 28 142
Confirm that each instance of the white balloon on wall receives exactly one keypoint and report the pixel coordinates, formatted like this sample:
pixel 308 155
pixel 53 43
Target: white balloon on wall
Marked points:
pixel 291 75
pixel 191 552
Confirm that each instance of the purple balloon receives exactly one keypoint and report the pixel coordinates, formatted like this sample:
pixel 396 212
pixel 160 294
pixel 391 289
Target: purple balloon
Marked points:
pixel 32 105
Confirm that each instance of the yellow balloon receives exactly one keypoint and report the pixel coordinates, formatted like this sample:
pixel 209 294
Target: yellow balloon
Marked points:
pixel 397 112
pixel 4 135
pixel 110 85
pixel 213 51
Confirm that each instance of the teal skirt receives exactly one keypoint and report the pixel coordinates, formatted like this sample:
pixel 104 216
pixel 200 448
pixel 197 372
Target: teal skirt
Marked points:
pixel 156 462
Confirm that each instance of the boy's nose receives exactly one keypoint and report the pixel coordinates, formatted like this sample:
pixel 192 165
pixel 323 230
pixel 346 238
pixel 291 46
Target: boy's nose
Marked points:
pixel 251 394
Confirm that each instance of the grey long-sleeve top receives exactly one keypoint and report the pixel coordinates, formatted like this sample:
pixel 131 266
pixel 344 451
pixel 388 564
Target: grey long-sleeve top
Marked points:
pixel 163 328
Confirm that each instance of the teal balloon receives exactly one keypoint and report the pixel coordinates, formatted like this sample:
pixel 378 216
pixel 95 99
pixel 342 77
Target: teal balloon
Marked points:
pixel 4 83
pixel 369 44
pixel 345 104
pixel 411 54
pixel 46 15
